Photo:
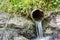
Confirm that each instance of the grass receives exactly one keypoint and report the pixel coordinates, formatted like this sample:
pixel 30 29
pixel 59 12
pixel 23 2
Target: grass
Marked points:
pixel 26 6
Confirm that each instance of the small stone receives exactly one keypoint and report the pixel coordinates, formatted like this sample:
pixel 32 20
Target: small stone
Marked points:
pixel 49 31
pixel 22 38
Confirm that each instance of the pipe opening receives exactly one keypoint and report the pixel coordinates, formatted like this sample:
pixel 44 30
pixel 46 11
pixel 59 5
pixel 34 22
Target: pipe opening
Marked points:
pixel 37 15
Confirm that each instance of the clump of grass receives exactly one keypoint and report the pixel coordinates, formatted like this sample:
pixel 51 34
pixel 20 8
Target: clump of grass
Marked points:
pixel 26 6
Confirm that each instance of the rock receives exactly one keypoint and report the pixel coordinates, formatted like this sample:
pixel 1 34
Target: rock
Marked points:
pixel 49 31
pixel 10 34
pixel 22 38
pixel 51 25
pixel 53 20
pixel 56 35
pixel 3 18
pixel 25 27
pixel 57 38
pixel 20 22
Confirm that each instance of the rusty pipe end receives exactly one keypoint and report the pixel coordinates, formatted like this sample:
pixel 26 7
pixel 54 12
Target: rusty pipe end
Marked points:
pixel 37 15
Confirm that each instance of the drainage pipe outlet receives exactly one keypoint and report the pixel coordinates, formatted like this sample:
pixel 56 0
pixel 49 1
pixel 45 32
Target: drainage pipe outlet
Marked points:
pixel 37 15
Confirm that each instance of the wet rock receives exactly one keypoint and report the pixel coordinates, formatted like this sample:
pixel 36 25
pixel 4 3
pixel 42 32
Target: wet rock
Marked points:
pixel 57 38
pixel 56 35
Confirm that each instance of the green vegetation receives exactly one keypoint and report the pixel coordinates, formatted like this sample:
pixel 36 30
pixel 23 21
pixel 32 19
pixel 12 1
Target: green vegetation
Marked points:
pixel 26 6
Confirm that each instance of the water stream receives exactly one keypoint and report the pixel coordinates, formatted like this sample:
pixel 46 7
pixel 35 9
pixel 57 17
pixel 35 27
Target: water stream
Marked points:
pixel 39 29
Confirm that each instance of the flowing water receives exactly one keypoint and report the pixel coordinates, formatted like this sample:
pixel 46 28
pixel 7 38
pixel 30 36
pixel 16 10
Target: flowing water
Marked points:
pixel 39 29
